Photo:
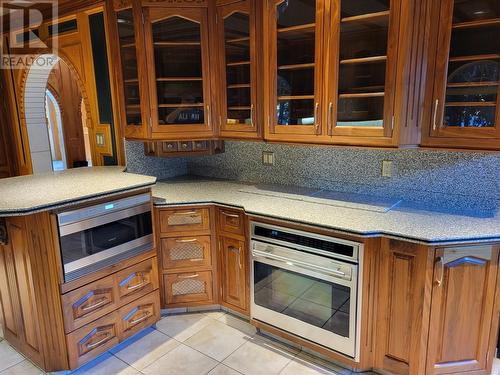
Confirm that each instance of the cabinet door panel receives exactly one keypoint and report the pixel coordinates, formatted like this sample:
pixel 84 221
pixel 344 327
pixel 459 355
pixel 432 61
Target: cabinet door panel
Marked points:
pixel 188 288
pixel 362 67
pixel 177 50
pixel 295 34
pixel 462 309
pixel 237 44
pixel 466 100
pixel 233 272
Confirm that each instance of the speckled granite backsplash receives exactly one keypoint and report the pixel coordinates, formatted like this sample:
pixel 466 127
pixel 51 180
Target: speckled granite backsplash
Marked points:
pixel 464 182
pixel 467 182
pixel 162 168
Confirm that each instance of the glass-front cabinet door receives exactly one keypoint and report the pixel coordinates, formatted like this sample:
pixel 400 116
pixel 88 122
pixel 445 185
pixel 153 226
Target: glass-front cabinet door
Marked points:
pixel 362 67
pixel 294 34
pixel 237 67
pixel 134 109
pixel 466 101
pixel 179 89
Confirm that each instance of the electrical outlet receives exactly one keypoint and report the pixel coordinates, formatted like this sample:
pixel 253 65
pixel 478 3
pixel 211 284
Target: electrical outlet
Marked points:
pixel 386 168
pixel 267 158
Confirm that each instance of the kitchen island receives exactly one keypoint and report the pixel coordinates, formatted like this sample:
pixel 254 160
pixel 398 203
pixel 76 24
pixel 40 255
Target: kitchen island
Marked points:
pixel 78 267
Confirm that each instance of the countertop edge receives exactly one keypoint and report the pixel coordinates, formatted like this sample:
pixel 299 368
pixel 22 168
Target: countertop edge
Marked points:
pixel 372 234
pixel 73 201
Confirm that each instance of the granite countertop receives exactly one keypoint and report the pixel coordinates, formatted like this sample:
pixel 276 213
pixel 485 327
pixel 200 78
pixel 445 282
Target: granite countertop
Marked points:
pixel 33 193
pixel 411 224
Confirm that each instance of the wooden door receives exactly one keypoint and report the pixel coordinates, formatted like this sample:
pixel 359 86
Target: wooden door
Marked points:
pixel 237 60
pixel 361 64
pixel 404 291
pixel 133 81
pixel 465 101
pixel 233 272
pixel 179 72
pixel 462 333
pixel 294 69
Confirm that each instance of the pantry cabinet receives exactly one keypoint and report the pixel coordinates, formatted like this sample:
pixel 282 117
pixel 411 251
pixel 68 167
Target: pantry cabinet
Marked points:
pixel 236 39
pixel 464 67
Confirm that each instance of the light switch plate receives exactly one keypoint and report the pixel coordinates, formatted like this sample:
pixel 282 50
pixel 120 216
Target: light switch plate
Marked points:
pixel 386 168
pixel 267 158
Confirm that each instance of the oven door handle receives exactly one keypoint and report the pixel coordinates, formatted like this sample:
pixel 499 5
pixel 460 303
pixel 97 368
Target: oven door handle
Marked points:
pixel 311 267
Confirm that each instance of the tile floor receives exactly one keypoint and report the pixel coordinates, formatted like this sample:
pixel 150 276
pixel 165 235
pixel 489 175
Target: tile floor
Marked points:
pixel 213 343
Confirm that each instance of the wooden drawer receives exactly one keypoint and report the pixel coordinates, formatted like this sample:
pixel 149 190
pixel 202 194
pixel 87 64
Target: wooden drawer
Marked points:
pixel 136 281
pixel 188 288
pixel 184 220
pixel 93 339
pixel 139 314
pixel 88 303
pixel 186 252
pixel 231 221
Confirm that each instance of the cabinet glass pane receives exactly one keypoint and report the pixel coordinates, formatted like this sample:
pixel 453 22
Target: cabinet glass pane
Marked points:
pixel 237 55
pixel 296 39
pixel 364 33
pixel 474 65
pixel 362 7
pixel 179 74
pixel 473 10
pixel 128 58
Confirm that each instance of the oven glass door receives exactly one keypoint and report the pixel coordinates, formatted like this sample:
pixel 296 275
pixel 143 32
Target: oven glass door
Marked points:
pixel 320 308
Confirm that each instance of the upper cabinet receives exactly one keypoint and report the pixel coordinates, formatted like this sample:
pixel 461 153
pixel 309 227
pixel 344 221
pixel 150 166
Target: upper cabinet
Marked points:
pixel 465 64
pixel 179 72
pixel 294 69
pixel 362 59
pixel 236 40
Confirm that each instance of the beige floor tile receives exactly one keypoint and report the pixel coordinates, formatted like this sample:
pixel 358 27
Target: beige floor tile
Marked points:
pixel 258 357
pixel 215 314
pixel 183 360
pixel 223 370
pixel 239 324
pixel 300 366
pixel 146 349
pixel 330 366
pixel 107 364
pixel 23 368
pixel 8 356
pixel 217 340
pixel 496 367
pixel 182 327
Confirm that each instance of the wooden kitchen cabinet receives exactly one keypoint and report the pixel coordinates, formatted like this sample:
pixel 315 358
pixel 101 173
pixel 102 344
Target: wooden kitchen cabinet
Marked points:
pixel 237 61
pixel 463 320
pixel 233 260
pixel 362 52
pixel 437 308
pixel 294 73
pixel 462 99
pixel 177 50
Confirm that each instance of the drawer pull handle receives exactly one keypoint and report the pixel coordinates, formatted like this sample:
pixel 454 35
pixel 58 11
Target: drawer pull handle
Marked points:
pixel 187 241
pixel 197 259
pixel 187 213
pixel 188 276
pixel 100 342
pixel 144 282
pixel 142 318
pixel 99 303
pixel 230 215
pixel 440 269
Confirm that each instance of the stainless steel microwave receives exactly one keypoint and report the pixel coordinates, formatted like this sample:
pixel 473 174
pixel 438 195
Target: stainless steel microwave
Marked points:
pixel 95 237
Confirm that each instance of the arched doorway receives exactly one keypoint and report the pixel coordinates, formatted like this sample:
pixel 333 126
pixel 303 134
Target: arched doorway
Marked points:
pixel 56 113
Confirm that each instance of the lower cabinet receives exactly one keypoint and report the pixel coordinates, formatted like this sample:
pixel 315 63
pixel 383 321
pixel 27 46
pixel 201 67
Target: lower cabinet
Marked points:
pixel 463 320
pixel 437 311
pixel 233 273
pixel 189 288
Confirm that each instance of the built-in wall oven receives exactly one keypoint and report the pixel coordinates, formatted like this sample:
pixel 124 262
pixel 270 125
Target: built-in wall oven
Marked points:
pixel 94 237
pixel 307 284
